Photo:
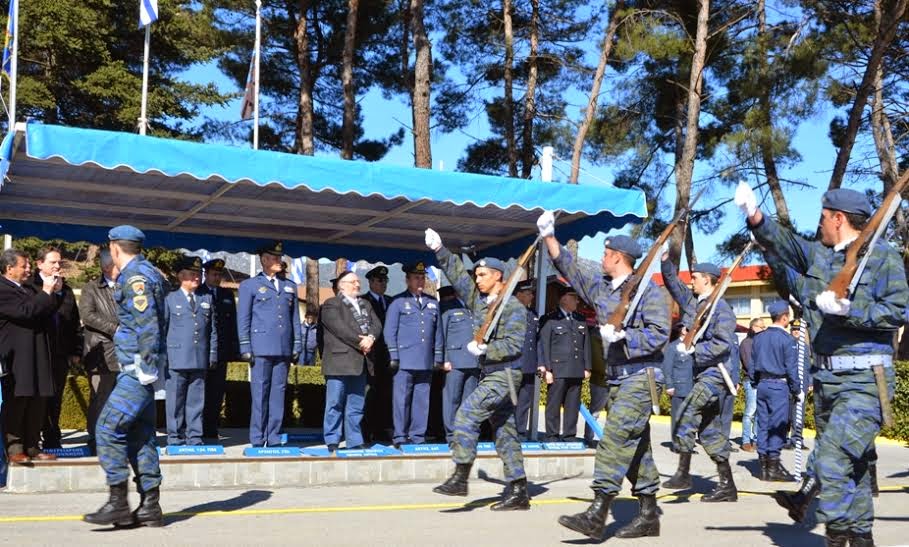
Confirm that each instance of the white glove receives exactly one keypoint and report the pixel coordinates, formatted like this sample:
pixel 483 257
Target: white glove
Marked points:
pixel 828 303
pixel 683 350
pixel 800 397
pixel 609 335
pixel 745 199
pixel 546 224
pixel 476 349
pixel 433 241
pixel 146 374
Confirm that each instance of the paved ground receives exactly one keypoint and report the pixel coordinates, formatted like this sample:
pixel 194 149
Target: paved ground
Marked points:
pixel 409 514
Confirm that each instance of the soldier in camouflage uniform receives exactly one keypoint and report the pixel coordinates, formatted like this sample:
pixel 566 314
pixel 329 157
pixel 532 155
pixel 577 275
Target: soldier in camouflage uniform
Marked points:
pixel 703 408
pixel 125 432
pixel 491 399
pixel 849 336
pixel 624 450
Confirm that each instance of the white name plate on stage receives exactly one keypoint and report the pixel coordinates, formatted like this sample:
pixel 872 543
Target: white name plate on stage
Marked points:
pixel 564 446
pixel 198 450
pixel 70 452
pixel 272 452
pixel 425 448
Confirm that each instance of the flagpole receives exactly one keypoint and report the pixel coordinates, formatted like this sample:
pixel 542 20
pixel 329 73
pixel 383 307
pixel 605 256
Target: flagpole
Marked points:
pixel 258 55
pixel 14 70
pixel 143 120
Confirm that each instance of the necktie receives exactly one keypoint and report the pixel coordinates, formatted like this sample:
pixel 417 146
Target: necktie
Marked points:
pixel 192 302
pixel 277 286
pixel 420 301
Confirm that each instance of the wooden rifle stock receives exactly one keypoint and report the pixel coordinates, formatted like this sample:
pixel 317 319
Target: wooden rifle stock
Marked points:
pixel 488 321
pixel 840 283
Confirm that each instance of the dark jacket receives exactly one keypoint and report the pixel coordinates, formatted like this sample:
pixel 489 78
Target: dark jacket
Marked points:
pixel 457 332
pixel 341 355
pixel 226 313
pixel 63 327
pixel 678 370
pixel 529 350
pixel 379 349
pixel 564 344
pixel 99 319
pixel 24 339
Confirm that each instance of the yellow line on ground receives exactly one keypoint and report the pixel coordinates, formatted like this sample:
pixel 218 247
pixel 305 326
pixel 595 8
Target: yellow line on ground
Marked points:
pixel 372 508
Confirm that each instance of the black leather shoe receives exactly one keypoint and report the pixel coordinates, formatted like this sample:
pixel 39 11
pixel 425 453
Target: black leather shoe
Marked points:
pixel 515 498
pixel 776 472
pixel 592 522
pixel 332 448
pixel 456 485
pixel 115 511
pixel 725 490
pixel 796 503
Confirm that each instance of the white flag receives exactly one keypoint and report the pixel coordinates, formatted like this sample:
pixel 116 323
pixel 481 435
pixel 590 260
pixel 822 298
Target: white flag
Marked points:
pixel 148 12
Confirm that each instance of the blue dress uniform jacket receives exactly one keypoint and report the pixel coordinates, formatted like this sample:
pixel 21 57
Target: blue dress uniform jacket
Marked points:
pixel 528 358
pixel 774 355
pixel 457 331
pixel 268 319
pixel 192 335
pixel 412 332
pixel 564 344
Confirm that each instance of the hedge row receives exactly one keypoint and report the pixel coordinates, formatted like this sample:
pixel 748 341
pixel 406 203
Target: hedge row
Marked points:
pixel 305 400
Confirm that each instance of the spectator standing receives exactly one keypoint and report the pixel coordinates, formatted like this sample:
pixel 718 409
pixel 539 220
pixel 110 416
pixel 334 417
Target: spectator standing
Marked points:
pixel 378 417
pixel 526 294
pixel 309 330
pixel 678 370
pixel 748 415
pixel 462 368
pixel 228 346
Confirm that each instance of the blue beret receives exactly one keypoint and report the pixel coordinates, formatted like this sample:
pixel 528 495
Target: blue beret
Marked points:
pixel 191 263
pixel 624 244
pixel 847 201
pixel 415 268
pixel 490 262
pixel 707 268
pixel 125 232
pixel 777 307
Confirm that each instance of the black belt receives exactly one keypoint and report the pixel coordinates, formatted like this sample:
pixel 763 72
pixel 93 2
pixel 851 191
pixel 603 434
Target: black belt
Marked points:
pixel 620 371
pixel 762 376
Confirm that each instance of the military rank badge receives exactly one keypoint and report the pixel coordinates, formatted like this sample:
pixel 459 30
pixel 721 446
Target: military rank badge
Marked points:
pixel 262 290
pixel 140 302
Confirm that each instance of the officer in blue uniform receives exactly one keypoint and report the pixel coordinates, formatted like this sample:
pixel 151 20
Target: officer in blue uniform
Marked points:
pixel 378 418
pixel 461 367
pixel 268 325
pixel 192 350
pixel 125 433
pixel 677 368
pixel 414 344
pixel 774 372
pixel 228 346
pixel 525 292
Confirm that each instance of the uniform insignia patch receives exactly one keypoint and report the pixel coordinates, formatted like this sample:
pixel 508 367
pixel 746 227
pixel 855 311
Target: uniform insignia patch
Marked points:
pixel 431 306
pixel 262 290
pixel 407 305
pixel 227 300
pixel 205 305
pixel 288 289
pixel 138 287
pixel 140 302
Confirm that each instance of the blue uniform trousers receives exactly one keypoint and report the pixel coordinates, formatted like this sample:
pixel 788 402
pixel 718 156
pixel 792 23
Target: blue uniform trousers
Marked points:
pixel 772 416
pixel 675 413
pixel 567 392
pixel 184 401
pixel 411 404
pixel 267 385
pixel 749 426
pixel 599 396
pixel 344 399
pixel 459 384
pixel 125 434
pixel 215 383
pixel 525 400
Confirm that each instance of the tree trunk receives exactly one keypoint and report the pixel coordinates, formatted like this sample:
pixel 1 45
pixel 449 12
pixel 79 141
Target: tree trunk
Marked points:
pixel 605 52
pixel 347 61
pixel 340 266
pixel 304 143
pixel 684 165
pixel 421 87
pixel 886 32
pixel 312 283
pixel 509 94
pixel 530 102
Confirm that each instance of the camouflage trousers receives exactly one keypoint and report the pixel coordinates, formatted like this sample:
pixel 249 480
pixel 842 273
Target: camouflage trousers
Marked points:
pixel 847 415
pixel 125 434
pixel 702 412
pixel 490 401
pixel 624 450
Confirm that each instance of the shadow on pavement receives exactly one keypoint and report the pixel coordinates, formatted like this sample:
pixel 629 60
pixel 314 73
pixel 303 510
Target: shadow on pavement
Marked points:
pixel 753 467
pixel 533 488
pixel 242 501
pixel 784 535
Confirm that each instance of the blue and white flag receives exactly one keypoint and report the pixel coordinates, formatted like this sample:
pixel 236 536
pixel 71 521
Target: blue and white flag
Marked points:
pixel 11 32
pixel 298 270
pixel 148 12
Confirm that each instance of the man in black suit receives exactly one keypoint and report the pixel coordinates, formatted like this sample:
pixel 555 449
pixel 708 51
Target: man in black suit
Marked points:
pixel 377 423
pixel 25 353
pixel 349 328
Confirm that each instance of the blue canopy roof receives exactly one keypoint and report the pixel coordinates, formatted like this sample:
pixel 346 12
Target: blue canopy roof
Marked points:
pixel 75 184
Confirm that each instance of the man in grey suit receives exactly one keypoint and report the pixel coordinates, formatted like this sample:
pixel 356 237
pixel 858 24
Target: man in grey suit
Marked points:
pixel 350 328
pixel 192 349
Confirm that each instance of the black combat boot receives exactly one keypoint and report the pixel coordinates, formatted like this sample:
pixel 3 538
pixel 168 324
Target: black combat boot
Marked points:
pixel 872 472
pixel 115 511
pixel 646 524
pixel 763 461
pixel 725 490
pixel 149 511
pixel 456 485
pixel 836 538
pixel 591 522
pixel 797 502
pixel 776 472
pixel 515 498
pixel 864 539
pixel 682 479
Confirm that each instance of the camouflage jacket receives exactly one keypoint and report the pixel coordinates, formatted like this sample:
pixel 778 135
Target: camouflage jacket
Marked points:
pixel 507 340
pixel 140 296
pixel 718 344
pixel 878 306
pixel 646 332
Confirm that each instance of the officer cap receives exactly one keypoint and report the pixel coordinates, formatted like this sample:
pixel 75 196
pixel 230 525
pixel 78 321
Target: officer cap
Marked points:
pixel 707 268
pixel 191 263
pixel 125 232
pixel 446 291
pixel 275 248
pixel 526 285
pixel 566 289
pixel 847 201
pixel 378 272
pixel 415 268
pixel 777 308
pixel 491 262
pixel 215 264
pixel 342 275
pixel 795 324
pixel 624 244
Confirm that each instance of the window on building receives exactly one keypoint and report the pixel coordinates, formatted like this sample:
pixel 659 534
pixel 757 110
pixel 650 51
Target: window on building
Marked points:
pixel 766 299
pixel 741 305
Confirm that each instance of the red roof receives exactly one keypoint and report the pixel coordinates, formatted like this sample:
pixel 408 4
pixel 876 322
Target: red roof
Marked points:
pixel 758 272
